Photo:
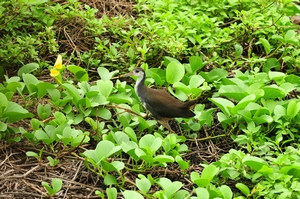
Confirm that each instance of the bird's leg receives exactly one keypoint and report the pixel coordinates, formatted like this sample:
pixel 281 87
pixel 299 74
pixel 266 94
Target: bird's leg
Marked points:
pixel 146 116
pixel 165 123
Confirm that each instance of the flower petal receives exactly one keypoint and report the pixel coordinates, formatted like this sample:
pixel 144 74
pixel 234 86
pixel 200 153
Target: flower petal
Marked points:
pixel 58 62
pixel 54 73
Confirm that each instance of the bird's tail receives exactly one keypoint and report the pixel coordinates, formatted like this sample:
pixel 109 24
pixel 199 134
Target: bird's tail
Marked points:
pixel 192 102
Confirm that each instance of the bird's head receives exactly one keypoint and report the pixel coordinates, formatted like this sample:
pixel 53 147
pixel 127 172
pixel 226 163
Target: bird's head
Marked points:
pixel 138 72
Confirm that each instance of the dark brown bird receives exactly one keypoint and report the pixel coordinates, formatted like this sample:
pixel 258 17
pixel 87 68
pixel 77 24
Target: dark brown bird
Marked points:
pixel 160 103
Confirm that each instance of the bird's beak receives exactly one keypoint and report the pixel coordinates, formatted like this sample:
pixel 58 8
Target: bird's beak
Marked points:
pixel 128 74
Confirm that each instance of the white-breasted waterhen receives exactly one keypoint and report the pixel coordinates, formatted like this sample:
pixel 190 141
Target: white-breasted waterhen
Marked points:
pixel 160 103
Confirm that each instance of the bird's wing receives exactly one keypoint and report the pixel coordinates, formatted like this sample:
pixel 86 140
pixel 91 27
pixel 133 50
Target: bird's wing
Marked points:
pixel 161 104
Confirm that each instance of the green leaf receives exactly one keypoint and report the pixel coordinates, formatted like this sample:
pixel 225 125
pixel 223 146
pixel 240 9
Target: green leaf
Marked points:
pixel 163 158
pixel 109 179
pixel 195 63
pixel 175 72
pixel 223 104
pixel 132 194
pixel 226 191
pixel 44 111
pixel 293 108
pixel 43 87
pixel 72 91
pixel 266 45
pixel 31 82
pixel 28 68
pixel 111 193
pixel 273 92
pixel 79 72
pixel 143 184
pixel 290 37
pixel 14 112
pixel 169 187
pixel 255 163
pixel 150 142
pixel 104 149
pixel 56 184
pixel 238 50
pixel 202 193
pixel 3 126
pixel 233 91
pixel 243 188
pixel 214 75
pixel 271 63
pixel 105 87
pixel 105 74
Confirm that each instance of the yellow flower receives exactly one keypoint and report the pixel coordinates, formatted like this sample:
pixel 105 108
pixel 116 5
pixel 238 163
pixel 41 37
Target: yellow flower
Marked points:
pixel 58 63
pixel 54 73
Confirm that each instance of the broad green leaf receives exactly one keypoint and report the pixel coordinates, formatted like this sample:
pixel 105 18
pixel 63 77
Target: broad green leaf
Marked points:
pixel 130 132
pixel 128 194
pixel 293 170
pixel 13 86
pixel 208 173
pixel 28 68
pixel 243 188
pixel 3 126
pixel 238 50
pixel 276 76
pixel 255 163
pixel 271 63
pixel 226 192
pixel 4 102
pixel 293 108
pixel 44 111
pixel 175 72
pixel 143 184
pixel 184 165
pixel 56 184
pixel 79 72
pixel 111 193
pixel 149 141
pixel 262 119
pixel 196 81
pixel 266 45
pixel 168 60
pixel 223 104
pixel 163 158
pixel 104 149
pixel 293 79
pixel 195 63
pixel 72 91
pixel 105 74
pixel 43 87
pixel 181 194
pixel 202 193
pixel 273 92
pixel 101 112
pixel 290 37
pixel 169 187
pixel 112 166
pixel 105 87
pixel 31 82
pixel 109 180
pixel 233 91
pixel 214 75
pixel 243 103
pixel 14 112
pixel 120 137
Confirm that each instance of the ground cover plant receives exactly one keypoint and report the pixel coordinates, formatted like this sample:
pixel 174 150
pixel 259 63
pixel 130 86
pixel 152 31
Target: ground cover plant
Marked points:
pixel 72 127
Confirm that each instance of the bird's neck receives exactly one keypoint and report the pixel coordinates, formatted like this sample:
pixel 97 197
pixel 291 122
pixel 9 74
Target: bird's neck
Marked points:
pixel 139 85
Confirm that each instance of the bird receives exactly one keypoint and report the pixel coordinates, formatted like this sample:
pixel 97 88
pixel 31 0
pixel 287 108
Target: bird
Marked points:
pixel 161 104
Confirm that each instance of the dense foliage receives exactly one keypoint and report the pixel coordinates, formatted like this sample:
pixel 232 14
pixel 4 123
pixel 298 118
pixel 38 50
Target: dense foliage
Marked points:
pixel 243 56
